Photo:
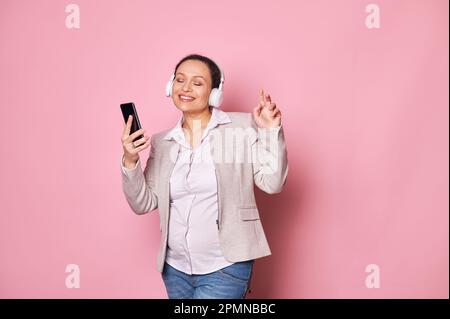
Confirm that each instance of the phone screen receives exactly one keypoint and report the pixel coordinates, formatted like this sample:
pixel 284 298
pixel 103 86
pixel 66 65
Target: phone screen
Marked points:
pixel 127 110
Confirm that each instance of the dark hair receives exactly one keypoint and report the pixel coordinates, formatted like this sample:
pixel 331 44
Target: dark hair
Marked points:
pixel 212 66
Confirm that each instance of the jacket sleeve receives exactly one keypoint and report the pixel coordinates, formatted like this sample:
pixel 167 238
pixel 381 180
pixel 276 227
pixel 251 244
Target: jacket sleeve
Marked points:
pixel 139 186
pixel 269 159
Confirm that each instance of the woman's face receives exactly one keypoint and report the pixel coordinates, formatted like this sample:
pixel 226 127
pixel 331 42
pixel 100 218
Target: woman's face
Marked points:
pixel 191 86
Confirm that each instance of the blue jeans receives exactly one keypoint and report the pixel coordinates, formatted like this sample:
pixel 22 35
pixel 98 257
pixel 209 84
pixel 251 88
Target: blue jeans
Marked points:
pixel 231 282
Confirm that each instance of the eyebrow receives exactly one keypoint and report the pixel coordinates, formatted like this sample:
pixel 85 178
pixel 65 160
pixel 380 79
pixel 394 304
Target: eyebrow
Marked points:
pixel 195 76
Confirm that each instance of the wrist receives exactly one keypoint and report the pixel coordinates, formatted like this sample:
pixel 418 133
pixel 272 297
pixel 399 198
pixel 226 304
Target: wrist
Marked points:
pixel 130 162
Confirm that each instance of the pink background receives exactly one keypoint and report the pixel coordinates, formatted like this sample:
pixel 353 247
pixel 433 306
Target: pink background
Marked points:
pixel 365 114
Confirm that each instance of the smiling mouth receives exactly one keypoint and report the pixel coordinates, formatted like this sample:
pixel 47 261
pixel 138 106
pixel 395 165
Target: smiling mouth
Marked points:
pixel 185 98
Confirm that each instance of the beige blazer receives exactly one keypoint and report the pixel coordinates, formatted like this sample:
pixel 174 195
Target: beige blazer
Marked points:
pixel 244 155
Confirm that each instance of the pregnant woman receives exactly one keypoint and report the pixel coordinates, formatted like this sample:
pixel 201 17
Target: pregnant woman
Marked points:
pixel 200 175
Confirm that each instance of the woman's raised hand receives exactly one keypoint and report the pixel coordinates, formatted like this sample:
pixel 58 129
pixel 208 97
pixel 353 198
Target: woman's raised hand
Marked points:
pixel 266 113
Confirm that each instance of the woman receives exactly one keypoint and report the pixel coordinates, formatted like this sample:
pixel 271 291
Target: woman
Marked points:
pixel 214 233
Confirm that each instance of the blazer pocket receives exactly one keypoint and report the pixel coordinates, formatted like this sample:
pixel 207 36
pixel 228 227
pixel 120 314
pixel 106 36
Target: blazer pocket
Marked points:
pixel 249 213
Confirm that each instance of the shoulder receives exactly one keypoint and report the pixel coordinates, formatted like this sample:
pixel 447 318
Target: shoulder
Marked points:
pixel 157 137
pixel 241 119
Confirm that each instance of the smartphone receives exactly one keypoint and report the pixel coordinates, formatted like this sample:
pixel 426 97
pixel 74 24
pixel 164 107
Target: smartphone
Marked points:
pixel 127 110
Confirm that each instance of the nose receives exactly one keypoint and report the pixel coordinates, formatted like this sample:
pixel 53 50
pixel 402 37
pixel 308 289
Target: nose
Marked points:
pixel 186 86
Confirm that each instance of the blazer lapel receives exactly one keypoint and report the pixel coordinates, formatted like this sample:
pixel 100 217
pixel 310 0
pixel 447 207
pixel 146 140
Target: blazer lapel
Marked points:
pixel 170 151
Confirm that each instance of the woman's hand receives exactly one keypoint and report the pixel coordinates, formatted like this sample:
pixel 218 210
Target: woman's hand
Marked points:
pixel 266 114
pixel 131 149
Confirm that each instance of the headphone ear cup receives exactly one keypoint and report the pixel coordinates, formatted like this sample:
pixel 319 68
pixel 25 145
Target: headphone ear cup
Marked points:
pixel 215 97
pixel 169 86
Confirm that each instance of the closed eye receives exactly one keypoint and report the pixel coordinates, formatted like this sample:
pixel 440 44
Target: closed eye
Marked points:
pixel 196 83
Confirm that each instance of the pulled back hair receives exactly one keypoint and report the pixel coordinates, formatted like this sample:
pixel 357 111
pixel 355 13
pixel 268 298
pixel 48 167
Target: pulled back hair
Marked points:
pixel 212 66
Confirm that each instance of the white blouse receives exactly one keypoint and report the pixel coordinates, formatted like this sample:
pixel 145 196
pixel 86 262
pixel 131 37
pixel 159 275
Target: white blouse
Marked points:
pixel 193 236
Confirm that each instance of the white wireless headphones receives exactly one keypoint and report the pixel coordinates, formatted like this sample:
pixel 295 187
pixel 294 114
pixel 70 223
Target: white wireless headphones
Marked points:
pixel 216 95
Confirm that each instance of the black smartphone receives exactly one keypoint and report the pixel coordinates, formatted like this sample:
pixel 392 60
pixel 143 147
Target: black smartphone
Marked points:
pixel 127 110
